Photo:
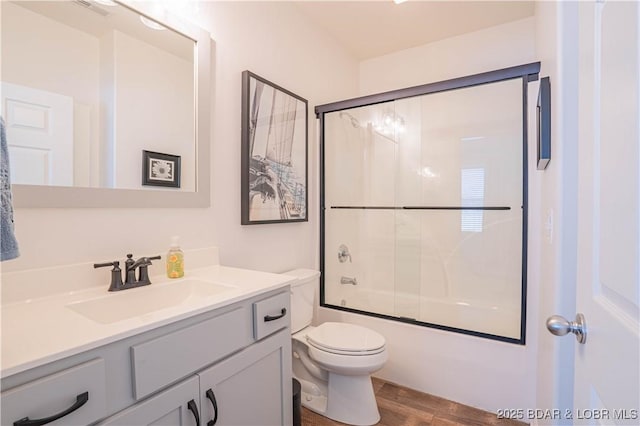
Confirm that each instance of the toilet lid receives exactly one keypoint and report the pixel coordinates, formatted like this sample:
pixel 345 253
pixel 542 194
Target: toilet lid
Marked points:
pixel 342 337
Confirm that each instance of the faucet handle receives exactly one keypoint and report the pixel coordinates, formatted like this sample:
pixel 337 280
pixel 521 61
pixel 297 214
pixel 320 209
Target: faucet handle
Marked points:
pixel 116 276
pixel 343 253
pixel 115 264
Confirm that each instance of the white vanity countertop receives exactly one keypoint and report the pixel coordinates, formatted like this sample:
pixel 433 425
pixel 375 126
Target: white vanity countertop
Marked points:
pixel 39 331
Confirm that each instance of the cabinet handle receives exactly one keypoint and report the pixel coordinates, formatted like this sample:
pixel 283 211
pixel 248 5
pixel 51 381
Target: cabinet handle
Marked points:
pixel 268 318
pixel 191 405
pixel 80 401
pixel 212 398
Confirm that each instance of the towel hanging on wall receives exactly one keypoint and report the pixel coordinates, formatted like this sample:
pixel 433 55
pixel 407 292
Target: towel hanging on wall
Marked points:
pixel 8 243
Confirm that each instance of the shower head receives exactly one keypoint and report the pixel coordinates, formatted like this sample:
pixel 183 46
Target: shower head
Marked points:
pixel 354 121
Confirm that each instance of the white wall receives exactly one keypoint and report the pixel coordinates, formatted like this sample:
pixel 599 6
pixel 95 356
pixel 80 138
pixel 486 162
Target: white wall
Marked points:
pixel 470 370
pixel 274 41
pixel 489 49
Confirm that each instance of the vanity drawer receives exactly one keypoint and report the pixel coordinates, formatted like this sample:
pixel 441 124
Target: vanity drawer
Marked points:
pixel 271 315
pixel 54 394
pixel 166 359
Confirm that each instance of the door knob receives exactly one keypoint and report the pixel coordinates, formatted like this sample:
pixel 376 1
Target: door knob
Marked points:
pixel 559 326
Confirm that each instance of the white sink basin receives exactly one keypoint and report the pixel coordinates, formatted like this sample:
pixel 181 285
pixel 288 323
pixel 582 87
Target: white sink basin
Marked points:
pixel 125 304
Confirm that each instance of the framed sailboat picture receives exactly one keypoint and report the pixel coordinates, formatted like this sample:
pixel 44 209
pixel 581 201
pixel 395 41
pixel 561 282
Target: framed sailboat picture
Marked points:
pixel 274 153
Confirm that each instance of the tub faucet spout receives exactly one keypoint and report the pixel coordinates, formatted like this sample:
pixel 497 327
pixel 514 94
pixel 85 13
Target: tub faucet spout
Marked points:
pixel 348 280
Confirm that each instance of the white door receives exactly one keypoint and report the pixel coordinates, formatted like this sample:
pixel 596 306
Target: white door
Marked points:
pixel 39 129
pixel 607 377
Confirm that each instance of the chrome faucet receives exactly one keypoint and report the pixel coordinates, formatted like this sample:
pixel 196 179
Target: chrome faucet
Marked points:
pixel 343 253
pixel 348 280
pixel 130 272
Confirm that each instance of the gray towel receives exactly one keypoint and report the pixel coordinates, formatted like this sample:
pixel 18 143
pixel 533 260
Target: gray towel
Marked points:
pixel 8 243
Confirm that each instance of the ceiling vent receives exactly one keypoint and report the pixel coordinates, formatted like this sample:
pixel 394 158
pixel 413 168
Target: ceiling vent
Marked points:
pixel 90 6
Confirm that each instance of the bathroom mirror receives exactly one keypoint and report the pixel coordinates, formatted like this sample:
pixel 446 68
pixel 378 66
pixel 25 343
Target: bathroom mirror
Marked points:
pixel 87 86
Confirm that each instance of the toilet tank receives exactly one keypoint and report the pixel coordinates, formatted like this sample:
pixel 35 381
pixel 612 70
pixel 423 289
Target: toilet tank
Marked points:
pixel 303 294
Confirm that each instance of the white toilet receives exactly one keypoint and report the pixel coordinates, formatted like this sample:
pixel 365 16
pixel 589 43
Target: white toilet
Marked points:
pixel 333 361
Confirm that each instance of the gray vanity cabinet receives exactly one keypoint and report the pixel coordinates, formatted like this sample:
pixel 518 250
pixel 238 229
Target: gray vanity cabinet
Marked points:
pixel 248 389
pixel 238 356
pixel 245 389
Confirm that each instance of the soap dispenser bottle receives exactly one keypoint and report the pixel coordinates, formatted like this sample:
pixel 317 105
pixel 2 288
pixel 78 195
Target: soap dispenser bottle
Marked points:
pixel 175 260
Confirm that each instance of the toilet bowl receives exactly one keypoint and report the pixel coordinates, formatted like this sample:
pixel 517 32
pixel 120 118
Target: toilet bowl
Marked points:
pixel 333 361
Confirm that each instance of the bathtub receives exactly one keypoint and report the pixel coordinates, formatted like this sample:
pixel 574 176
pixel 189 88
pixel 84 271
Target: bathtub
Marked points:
pixel 498 318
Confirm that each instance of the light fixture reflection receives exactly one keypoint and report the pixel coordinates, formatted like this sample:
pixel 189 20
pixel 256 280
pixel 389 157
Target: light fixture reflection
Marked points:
pixel 152 24
pixel 391 123
pixel 106 2
pixel 427 172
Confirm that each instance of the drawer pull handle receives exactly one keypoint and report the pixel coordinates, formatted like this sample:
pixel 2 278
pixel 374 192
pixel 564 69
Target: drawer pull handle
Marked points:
pixel 191 405
pixel 212 398
pixel 80 401
pixel 268 318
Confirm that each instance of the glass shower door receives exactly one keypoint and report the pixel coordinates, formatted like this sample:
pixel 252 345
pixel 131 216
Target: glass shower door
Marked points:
pixel 426 195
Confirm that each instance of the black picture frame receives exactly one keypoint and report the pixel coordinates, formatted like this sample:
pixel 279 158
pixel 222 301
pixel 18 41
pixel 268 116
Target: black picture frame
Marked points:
pixel 274 153
pixel 159 169
pixel 543 121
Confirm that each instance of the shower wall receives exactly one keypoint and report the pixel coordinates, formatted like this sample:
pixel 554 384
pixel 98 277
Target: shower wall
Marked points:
pixel 426 192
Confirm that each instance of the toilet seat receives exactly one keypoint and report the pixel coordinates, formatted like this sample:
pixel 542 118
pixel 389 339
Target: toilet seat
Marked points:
pixel 345 339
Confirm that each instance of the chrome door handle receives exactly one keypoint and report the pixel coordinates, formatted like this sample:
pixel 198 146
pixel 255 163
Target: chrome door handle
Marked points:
pixel 560 326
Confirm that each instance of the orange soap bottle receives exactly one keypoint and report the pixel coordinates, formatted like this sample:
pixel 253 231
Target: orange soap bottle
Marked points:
pixel 175 260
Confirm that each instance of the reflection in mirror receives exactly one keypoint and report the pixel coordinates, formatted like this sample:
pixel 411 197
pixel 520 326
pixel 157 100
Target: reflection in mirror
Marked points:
pixel 88 85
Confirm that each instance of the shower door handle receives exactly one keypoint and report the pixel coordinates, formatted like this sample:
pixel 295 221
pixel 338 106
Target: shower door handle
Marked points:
pixel 560 326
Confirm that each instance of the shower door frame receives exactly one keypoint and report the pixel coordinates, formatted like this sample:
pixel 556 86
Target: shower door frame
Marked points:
pixel 528 73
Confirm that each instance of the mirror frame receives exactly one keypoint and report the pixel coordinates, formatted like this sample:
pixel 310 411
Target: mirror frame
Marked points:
pixel 29 196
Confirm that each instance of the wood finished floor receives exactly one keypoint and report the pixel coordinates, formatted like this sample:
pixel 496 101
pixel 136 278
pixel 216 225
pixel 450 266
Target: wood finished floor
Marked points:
pixel 400 406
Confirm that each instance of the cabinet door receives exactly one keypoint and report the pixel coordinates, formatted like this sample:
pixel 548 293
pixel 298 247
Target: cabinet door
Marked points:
pixel 177 406
pixel 253 387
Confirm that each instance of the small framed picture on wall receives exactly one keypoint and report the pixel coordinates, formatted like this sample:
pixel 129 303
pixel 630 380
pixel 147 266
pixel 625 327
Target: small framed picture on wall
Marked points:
pixel 160 169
